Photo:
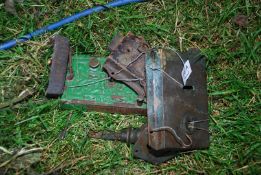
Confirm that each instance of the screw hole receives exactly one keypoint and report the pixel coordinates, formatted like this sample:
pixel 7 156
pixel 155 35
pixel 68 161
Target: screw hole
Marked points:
pixel 139 103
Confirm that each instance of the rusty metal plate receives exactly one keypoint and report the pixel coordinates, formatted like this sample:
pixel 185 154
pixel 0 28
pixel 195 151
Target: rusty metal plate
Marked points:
pixel 177 114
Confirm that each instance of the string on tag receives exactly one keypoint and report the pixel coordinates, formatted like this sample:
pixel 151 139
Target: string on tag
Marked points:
pixel 134 79
pixel 198 121
pixel 186 71
pixel 184 74
pixel 131 62
pixel 165 73
pixel 87 84
pixel 191 125
pixel 179 56
pixel 135 59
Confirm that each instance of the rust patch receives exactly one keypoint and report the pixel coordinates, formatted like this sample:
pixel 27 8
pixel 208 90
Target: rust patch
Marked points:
pixel 94 62
pixel 116 97
pixel 121 108
pixel 70 77
pixel 126 63
pixel 111 83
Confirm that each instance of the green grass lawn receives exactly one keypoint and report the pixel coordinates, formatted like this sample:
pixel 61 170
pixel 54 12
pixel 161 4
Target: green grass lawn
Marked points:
pixel 233 67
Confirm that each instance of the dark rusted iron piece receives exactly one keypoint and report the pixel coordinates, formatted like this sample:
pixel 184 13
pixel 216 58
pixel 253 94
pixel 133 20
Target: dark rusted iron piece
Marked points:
pixel 59 66
pixel 177 116
pixel 126 63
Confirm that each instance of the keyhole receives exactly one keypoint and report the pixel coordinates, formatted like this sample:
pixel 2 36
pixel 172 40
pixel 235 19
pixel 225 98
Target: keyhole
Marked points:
pixel 188 87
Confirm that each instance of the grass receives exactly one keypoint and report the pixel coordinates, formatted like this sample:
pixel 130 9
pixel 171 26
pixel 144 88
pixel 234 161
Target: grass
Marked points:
pixel 233 67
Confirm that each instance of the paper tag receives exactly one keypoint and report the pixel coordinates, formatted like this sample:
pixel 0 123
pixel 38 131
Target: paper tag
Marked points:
pixel 186 72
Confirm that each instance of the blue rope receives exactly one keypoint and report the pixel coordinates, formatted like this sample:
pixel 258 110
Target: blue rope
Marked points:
pixel 116 3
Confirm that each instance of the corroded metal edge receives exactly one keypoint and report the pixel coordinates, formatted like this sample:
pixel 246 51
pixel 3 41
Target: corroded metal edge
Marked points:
pixel 121 108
